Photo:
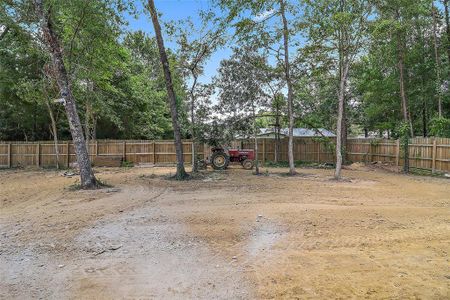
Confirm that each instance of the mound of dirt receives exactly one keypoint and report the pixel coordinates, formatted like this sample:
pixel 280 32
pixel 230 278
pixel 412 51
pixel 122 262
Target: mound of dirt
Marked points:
pixel 357 166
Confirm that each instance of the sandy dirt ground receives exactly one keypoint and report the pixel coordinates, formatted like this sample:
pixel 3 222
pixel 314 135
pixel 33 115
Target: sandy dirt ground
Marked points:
pixel 225 235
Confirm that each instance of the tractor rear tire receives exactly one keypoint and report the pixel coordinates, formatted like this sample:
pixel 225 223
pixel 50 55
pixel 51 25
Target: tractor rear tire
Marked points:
pixel 248 164
pixel 220 160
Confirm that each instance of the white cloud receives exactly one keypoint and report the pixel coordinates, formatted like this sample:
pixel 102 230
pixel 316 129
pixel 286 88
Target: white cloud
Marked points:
pixel 264 15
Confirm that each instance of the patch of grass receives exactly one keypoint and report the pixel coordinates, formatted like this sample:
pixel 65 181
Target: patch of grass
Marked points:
pixel 74 187
pixel 425 172
pixel 127 164
pixel 299 164
pixel 103 184
pixel 298 174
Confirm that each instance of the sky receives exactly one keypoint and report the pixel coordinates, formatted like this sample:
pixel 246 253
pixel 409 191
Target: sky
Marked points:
pixel 173 10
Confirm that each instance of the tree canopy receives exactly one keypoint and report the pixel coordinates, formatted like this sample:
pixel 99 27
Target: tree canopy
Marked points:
pixel 399 69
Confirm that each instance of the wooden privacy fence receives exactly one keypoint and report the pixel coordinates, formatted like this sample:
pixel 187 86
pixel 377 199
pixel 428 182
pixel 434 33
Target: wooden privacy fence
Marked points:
pixel 424 153
pixel 305 149
pixel 43 154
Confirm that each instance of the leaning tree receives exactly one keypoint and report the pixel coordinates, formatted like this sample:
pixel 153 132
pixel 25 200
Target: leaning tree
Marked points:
pixel 181 172
pixel 46 14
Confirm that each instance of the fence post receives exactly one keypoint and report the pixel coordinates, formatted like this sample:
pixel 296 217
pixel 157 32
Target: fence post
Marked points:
pixel 192 152
pixel 154 153
pixel 68 154
pixel 9 156
pixel 318 152
pixel 433 161
pixel 38 154
pixel 264 152
pixel 397 153
pixel 96 148
pixel 124 151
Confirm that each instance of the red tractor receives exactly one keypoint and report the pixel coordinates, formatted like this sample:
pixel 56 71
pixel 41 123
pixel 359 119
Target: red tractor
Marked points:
pixel 221 158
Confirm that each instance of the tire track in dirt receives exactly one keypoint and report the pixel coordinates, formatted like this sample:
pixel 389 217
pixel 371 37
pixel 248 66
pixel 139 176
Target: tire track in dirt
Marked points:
pixel 158 259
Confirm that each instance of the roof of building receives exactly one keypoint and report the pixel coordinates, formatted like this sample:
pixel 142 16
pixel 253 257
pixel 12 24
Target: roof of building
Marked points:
pixel 299 132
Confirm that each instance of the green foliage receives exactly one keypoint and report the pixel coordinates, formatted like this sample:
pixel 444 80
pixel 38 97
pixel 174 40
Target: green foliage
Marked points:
pixel 240 85
pixel 403 131
pixel 118 73
pixel 326 142
pixel 440 127
pixel 127 164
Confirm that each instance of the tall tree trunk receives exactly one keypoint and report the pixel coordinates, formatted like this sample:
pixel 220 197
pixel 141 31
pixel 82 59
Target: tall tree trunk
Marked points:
pixel 181 172
pixel 424 119
pixel 34 120
pixel 5 31
pixel 94 127
pixel 54 131
pixel 343 64
pixel 437 60
pixel 89 115
pixel 51 40
pixel 404 99
pixel 290 97
pixel 255 137
pixel 344 131
pixel 341 97
pixel 193 133
pixel 447 26
pixel 87 123
pixel 277 133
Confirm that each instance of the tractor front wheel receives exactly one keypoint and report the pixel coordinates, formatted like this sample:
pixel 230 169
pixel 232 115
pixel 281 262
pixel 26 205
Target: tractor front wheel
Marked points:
pixel 201 164
pixel 248 164
pixel 219 160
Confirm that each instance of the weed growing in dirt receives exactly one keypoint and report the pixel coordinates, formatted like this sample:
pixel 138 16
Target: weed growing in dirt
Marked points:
pixel 300 164
pixel 77 186
pixel 127 164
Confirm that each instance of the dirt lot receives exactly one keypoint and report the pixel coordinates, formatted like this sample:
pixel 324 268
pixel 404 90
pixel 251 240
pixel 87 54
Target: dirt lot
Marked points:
pixel 227 235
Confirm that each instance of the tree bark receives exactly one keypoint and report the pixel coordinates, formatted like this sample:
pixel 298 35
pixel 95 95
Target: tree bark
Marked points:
pixel 344 131
pixel 54 131
pixel 193 133
pixel 289 87
pixel 404 99
pixel 87 123
pixel 424 119
pixel 51 40
pixel 277 133
pixel 437 60
pixel 5 31
pixel 255 137
pixel 94 127
pixel 447 26
pixel 341 98
pixel 181 172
